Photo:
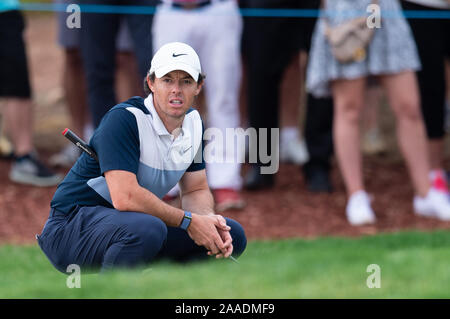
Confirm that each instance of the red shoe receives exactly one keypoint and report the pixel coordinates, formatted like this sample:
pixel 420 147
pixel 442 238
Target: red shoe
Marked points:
pixel 439 181
pixel 227 198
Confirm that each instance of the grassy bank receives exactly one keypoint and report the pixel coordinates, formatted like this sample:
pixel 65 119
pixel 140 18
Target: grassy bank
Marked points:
pixel 412 264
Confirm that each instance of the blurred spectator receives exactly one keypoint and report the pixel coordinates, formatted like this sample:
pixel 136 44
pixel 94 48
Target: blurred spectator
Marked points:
pixel 6 148
pixel 432 52
pixel 392 56
pixel 98 47
pixel 269 46
pixel 373 141
pixel 447 76
pixel 15 88
pixel 128 82
pixel 292 145
pixel 213 28
pixel 318 122
pixel 319 141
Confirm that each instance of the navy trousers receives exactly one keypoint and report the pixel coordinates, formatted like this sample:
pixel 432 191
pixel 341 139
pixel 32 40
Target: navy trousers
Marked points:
pixel 100 238
pixel 98 46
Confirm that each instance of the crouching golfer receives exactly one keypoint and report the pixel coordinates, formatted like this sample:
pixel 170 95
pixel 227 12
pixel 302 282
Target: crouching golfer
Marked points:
pixel 109 214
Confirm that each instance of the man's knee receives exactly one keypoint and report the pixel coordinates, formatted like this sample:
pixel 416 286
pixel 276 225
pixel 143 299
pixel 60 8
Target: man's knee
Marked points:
pixel 238 235
pixel 151 231
pixel 145 236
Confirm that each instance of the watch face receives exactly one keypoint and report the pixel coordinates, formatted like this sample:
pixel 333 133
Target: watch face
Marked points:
pixel 186 220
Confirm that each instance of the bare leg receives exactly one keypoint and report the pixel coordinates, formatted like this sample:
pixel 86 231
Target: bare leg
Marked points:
pixel 303 61
pixel 436 151
pixel 19 124
pixel 26 168
pixel 74 83
pixel 403 94
pixel 373 142
pixel 370 111
pixel 348 98
pixel 290 95
pixel 128 83
pixel 292 147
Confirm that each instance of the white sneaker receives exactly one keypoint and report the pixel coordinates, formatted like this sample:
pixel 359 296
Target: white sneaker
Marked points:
pixel 358 209
pixel 66 158
pixel 435 204
pixel 294 151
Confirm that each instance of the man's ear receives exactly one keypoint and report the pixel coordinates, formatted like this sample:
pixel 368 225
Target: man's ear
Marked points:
pixel 199 88
pixel 149 83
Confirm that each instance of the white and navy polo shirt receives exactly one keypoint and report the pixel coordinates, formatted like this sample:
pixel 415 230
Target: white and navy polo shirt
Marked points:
pixel 132 137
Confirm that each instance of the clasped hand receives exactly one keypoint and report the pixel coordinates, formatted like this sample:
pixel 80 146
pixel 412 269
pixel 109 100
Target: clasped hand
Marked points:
pixel 213 233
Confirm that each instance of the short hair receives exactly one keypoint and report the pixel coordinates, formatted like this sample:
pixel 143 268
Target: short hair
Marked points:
pixel 147 91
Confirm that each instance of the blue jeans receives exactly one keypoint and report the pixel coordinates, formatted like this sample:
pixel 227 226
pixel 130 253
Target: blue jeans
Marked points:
pixel 105 238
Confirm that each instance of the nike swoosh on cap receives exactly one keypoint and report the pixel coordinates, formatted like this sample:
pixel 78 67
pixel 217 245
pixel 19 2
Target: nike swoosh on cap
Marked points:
pixel 177 55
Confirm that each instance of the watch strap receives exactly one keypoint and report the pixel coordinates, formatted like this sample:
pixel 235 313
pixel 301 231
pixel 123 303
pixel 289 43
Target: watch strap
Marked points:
pixel 186 220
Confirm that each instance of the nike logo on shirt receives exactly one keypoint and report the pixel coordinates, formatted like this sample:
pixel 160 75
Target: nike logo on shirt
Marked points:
pixel 184 151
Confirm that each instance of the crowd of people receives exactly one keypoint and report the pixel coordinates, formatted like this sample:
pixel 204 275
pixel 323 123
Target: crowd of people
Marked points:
pixel 107 58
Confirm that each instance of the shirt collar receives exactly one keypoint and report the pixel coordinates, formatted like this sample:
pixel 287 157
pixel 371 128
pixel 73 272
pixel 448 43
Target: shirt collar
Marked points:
pixel 158 124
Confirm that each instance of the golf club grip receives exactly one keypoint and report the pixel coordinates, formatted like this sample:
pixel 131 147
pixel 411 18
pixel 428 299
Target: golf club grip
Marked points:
pixel 71 136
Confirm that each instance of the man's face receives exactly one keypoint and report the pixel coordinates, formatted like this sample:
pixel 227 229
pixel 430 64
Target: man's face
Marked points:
pixel 174 94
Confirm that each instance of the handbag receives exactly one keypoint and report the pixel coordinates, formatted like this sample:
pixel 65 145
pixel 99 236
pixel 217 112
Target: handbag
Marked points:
pixel 350 39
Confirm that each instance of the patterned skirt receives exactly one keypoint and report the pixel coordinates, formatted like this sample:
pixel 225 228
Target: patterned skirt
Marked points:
pixel 392 49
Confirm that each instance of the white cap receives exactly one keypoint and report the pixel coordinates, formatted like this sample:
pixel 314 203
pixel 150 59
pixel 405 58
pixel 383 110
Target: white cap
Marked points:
pixel 176 56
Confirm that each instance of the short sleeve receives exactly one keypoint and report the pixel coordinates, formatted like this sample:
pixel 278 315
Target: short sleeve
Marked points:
pixel 116 142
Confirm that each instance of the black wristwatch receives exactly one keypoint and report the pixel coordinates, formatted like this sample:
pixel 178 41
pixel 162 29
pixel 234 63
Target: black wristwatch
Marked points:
pixel 186 220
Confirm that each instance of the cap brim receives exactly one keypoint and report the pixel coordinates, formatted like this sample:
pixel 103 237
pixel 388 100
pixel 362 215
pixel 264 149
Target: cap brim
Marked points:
pixel 159 73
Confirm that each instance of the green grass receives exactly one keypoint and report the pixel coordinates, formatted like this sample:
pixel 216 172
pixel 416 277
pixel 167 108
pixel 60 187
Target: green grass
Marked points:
pixel 413 265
